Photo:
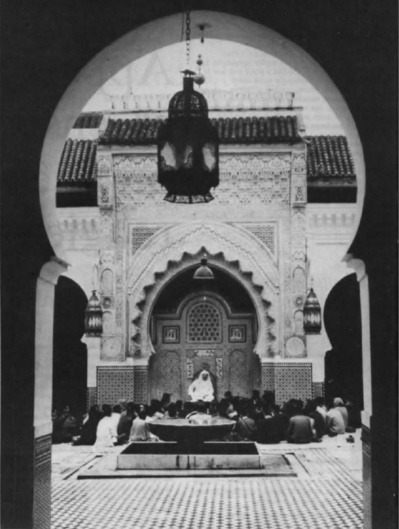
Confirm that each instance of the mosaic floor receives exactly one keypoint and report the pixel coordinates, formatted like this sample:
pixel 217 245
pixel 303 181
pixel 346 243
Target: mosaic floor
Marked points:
pixel 326 494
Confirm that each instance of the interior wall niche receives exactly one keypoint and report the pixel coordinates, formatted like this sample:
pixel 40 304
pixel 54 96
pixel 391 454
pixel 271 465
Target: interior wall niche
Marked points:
pixel 108 326
pixel 299 280
pixel 107 282
pixel 298 322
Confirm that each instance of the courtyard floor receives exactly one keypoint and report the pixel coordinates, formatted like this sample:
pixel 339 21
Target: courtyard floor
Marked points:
pixel 325 493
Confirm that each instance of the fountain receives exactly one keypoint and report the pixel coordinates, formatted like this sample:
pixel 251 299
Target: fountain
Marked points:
pixel 190 444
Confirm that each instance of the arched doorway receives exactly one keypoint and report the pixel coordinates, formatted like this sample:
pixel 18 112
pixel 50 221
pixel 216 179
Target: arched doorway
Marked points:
pixel 343 363
pixel 211 327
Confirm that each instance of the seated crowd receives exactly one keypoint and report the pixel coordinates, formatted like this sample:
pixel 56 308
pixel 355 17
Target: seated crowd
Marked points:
pixel 257 419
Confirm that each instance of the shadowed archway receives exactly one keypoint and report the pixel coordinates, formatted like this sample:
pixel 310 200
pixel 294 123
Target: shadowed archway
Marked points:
pixel 343 363
pixel 69 353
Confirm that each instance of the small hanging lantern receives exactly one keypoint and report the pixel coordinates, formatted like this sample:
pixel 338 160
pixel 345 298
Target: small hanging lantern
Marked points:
pixel 203 271
pixel 312 314
pixel 93 316
pixel 188 143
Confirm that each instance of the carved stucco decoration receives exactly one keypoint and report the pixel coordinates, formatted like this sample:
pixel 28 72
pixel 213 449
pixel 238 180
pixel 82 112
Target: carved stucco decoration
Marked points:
pixel 298 230
pixel 299 190
pixel 245 179
pixel 104 198
pixel 286 274
pixel 136 181
pixel 173 249
pixel 299 163
pixel 298 263
pixel 106 232
pixel 266 232
pixel 104 165
pixel 255 179
pixel 107 257
pixel 112 348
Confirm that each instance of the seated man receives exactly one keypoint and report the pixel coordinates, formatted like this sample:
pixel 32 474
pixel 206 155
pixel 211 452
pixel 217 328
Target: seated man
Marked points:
pixel 335 422
pixel 319 425
pixel 64 427
pixel 202 388
pixel 339 405
pixel 116 414
pixel 299 429
pixel 126 420
pixel 171 412
pixel 268 428
pixel 140 430
pixel 245 427
pixel 106 435
pixel 89 428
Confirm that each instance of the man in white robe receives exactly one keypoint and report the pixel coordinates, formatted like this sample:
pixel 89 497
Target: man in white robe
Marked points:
pixel 202 388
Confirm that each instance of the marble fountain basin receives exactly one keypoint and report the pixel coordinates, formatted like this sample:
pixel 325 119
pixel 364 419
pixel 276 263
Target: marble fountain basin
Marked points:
pixel 193 431
pixel 189 444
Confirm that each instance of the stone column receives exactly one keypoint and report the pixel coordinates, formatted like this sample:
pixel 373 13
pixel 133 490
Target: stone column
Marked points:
pixel 93 344
pixel 298 201
pixel 43 391
pixel 315 353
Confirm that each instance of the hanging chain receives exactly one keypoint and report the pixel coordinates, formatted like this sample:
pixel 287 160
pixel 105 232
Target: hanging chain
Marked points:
pixel 188 38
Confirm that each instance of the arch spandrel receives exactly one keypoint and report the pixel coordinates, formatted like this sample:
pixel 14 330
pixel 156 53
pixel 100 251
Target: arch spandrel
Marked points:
pixel 174 249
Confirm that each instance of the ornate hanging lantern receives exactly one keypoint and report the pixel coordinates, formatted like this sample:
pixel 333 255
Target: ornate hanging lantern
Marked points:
pixel 203 271
pixel 188 144
pixel 93 316
pixel 312 314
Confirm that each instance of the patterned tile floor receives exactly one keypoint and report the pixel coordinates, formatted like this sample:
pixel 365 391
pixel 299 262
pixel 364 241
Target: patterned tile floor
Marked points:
pixel 326 494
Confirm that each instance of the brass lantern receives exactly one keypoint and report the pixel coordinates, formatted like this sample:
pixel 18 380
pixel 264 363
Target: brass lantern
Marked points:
pixel 188 147
pixel 312 314
pixel 93 316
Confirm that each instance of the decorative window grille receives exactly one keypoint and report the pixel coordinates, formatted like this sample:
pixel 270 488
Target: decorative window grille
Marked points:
pixel 204 324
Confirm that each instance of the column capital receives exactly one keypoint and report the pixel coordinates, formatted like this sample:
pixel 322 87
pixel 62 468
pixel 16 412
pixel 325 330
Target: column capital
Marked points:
pixel 51 270
pixel 358 265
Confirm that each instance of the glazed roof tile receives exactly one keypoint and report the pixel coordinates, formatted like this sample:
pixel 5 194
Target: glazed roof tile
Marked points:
pixel 275 129
pixel 328 157
pixel 78 163
pixel 90 120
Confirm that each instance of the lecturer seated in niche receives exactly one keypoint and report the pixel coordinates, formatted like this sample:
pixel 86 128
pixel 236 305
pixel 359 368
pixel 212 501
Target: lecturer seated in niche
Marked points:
pixel 202 387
